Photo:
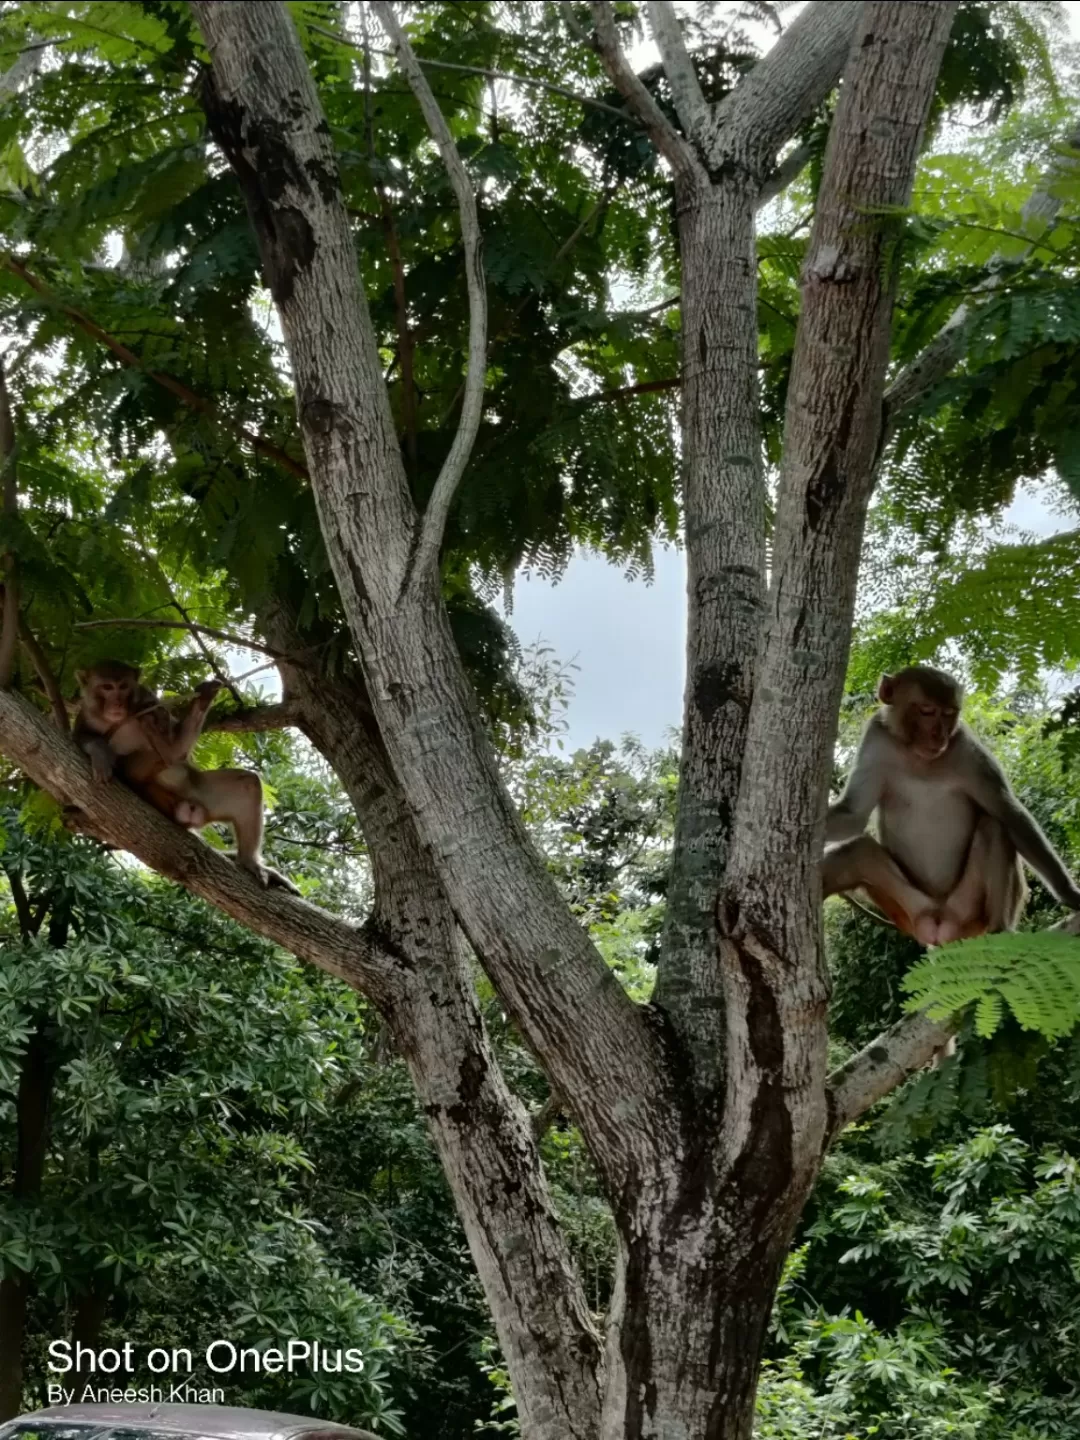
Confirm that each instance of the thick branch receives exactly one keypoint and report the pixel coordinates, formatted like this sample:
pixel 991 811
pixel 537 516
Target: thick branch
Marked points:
pixel 785 87
pixel 118 817
pixel 175 387
pixel 833 431
pixel 940 356
pixel 678 152
pixel 438 507
pixel 690 104
pixel 882 1066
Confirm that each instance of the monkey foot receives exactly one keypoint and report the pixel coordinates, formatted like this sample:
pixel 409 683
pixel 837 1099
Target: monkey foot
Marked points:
pixel 936 927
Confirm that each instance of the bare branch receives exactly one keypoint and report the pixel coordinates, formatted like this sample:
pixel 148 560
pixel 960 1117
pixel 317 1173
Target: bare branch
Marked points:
pixel 785 87
pixel 692 108
pixel 884 1064
pixel 175 387
pixel 789 169
pixel 832 436
pixel 228 636
pixel 438 507
pixel 892 1057
pixel 24 66
pixel 45 674
pixel 940 356
pixel 9 630
pixel 258 718
pixel 676 151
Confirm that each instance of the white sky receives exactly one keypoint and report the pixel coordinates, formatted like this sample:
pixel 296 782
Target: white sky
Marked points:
pixel 628 637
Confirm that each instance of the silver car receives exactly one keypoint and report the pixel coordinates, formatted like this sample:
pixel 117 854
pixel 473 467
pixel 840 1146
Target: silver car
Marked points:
pixel 172 1422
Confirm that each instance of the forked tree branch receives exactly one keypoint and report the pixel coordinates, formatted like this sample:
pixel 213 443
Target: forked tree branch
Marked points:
pixel 692 108
pixel 442 496
pixel 679 153
pixel 785 87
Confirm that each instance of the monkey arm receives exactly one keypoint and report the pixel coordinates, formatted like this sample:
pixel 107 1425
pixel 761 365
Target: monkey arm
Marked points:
pixel 848 817
pixel 102 756
pixel 190 719
pixel 989 788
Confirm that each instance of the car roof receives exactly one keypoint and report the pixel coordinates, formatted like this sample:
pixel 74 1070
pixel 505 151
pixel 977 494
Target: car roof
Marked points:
pixel 212 1421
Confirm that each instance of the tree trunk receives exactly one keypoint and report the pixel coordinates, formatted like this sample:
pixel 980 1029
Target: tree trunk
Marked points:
pixel 706 1183
pixel 32 1120
pixel 481 1131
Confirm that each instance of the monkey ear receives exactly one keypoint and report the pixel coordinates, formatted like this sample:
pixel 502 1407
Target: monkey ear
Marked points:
pixel 886 689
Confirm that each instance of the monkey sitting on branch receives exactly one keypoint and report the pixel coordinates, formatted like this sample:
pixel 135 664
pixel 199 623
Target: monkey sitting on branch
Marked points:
pixel 947 861
pixel 126 729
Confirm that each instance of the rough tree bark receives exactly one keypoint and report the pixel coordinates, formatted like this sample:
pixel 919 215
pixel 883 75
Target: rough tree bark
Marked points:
pixel 704 1211
pixel 481 1131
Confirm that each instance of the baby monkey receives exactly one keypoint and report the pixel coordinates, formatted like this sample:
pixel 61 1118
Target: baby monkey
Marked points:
pixel 126 729
pixel 947 861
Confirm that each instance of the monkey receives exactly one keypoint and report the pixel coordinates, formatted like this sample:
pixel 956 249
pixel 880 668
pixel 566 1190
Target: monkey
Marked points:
pixel 952 834
pixel 126 729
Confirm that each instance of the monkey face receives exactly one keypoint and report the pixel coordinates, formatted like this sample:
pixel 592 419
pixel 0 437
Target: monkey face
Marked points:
pixel 108 690
pixel 929 727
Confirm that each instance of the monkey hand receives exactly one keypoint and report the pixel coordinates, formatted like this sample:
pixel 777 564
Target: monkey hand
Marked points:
pixel 208 689
pixel 1071 898
pixel 102 763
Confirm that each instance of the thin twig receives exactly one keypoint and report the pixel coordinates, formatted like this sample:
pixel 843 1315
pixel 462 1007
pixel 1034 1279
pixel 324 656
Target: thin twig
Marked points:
pixel 9 630
pixel 491 75
pixel 49 683
pixel 438 508
pixel 207 655
pixel 228 636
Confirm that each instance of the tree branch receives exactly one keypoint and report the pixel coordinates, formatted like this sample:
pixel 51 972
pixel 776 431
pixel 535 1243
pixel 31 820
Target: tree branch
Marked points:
pixel 940 356
pixel 785 87
pixel 175 387
pixel 892 1058
pixel 227 636
pixel 442 496
pixel 24 66
pixel 679 153
pixel 489 75
pixel 9 627
pixel 45 674
pixel 832 436
pixel 789 169
pixel 257 718
pixel 115 815
pixel 692 108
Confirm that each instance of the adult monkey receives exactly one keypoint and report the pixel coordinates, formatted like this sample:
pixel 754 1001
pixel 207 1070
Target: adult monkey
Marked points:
pixel 125 728
pixel 951 833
